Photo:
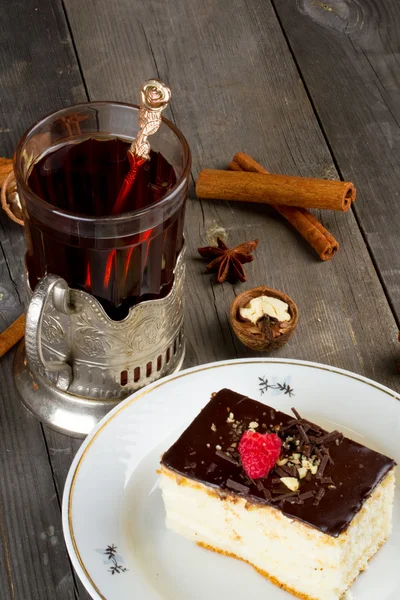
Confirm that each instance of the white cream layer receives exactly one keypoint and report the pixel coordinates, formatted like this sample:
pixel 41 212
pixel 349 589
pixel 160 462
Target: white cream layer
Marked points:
pixel 312 564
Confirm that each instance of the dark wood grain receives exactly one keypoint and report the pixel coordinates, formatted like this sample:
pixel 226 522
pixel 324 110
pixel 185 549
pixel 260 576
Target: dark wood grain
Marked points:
pixel 348 54
pixel 236 88
pixel 39 73
pixel 33 555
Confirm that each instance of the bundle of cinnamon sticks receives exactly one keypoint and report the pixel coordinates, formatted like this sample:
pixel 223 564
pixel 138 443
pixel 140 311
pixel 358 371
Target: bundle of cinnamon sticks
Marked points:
pixel 15 332
pixel 247 181
pixel 6 166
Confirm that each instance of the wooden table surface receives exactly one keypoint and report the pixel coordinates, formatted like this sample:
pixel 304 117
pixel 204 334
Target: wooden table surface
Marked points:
pixel 306 87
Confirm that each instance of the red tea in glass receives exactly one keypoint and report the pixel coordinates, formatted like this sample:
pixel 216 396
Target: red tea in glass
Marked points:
pixel 74 166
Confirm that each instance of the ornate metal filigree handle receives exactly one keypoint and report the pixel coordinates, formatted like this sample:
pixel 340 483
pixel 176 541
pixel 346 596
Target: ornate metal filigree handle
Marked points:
pixel 50 288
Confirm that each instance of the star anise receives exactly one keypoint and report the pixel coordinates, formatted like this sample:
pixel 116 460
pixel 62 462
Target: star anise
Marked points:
pixel 228 261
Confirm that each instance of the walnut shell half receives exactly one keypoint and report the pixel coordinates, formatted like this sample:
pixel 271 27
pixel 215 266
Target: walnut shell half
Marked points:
pixel 253 335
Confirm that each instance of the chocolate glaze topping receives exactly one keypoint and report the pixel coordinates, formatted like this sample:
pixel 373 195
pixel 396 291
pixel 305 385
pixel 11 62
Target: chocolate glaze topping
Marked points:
pixel 327 500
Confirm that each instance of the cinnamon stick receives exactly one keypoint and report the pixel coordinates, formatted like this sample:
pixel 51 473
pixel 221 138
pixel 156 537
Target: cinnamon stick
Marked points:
pixel 323 242
pixel 304 192
pixel 6 166
pixel 12 335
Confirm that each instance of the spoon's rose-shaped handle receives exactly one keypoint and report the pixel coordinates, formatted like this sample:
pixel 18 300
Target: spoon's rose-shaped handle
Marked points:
pixel 155 96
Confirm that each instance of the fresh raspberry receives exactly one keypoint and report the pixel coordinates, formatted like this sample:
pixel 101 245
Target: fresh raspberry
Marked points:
pixel 259 452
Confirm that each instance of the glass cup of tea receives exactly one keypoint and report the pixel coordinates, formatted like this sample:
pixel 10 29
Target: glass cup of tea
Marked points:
pixel 69 169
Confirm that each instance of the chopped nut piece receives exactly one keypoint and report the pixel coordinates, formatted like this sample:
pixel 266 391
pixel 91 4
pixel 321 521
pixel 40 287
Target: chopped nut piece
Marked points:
pixel 314 469
pixel 253 425
pixel 306 464
pixel 218 447
pixel 231 418
pixel 302 471
pixel 265 306
pixel 281 462
pixel 213 427
pixel 295 458
pixel 291 482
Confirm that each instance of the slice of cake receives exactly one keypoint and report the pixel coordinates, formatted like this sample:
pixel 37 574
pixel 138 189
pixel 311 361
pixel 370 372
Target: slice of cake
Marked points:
pixel 304 507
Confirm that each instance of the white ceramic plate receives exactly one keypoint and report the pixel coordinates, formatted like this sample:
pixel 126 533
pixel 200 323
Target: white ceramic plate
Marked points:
pixel 113 515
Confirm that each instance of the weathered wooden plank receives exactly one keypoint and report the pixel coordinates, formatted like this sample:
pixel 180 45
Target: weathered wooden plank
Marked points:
pixel 61 450
pixel 348 53
pixel 32 549
pixel 39 74
pixel 235 87
pixel 12 248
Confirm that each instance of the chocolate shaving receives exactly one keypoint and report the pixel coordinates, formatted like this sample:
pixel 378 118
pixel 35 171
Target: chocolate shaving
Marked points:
pixel 308 476
pixel 227 457
pixel 329 437
pixel 295 501
pixel 211 468
pixel 322 466
pixel 318 453
pixel 303 434
pixel 279 471
pixel 319 496
pixel 285 496
pixel 191 465
pixel 324 449
pixel 307 450
pixel 326 480
pixel 267 495
pixel 312 426
pixel 290 424
pixel 238 487
pixel 296 414
pixel 306 495
pixel 291 471
pixel 276 481
pixel 259 486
